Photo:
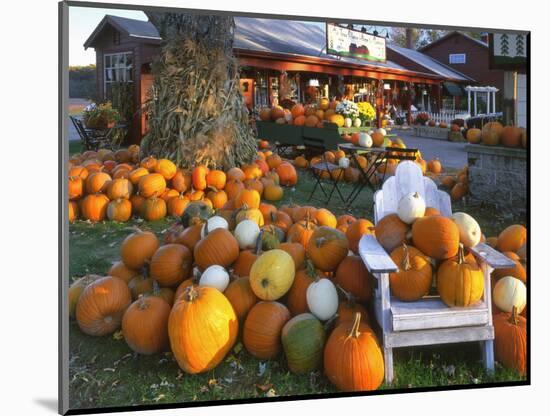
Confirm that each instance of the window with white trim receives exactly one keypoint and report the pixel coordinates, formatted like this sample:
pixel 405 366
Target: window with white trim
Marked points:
pixel 457 58
pixel 117 67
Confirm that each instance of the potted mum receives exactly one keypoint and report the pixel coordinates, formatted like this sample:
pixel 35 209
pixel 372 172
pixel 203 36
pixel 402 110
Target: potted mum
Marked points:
pixel 101 116
pixel 349 110
pixel 367 113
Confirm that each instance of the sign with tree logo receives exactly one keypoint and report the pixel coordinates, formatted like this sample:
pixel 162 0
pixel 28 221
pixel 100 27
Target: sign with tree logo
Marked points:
pixel 353 43
pixel 508 50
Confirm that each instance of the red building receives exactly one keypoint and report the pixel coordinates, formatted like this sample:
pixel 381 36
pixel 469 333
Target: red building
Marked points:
pixel 469 56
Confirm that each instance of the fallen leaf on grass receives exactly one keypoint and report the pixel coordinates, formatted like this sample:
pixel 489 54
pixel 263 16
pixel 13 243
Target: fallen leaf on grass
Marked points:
pixel 112 370
pixel 204 389
pixel 180 375
pixel 118 335
pixel 238 348
pixel 212 382
pixel 159 397
pixel 264 387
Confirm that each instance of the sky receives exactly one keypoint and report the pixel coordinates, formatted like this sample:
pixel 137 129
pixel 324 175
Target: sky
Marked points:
pixel 82 22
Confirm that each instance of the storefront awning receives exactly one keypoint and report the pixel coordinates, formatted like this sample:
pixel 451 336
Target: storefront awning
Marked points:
pixel 453 89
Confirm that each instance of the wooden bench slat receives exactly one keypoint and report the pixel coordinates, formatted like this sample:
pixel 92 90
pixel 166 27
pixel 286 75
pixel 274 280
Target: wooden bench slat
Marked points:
pixel 438 336
pixel 492 257
pixel 374 256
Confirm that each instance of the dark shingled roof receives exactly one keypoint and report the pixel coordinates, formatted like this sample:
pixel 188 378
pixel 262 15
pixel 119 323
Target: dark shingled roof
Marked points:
pixel 131 27
pixel 429 63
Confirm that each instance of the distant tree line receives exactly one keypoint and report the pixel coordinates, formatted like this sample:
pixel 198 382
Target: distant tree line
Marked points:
pixel 82 82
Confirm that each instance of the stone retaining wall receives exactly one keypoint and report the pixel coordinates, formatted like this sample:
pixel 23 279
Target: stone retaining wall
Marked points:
pixel 431 132
pixel 497 176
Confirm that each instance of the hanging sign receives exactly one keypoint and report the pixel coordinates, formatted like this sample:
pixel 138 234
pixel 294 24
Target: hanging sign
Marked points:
pixel 353 43
pixel 508 50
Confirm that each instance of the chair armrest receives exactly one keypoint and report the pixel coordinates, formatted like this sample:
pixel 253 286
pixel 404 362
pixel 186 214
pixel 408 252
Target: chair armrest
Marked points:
pixel 492 257
pixel 374 256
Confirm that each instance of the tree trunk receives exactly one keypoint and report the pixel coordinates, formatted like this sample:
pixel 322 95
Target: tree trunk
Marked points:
pixel 196 111
pixel 409 37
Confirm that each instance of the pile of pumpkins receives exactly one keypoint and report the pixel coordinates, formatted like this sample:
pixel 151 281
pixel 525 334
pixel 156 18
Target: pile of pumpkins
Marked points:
pixel 286 280
pixel 457 185
pixel 309 115
pixel 424 244
pixel 116 185
pixel 495 134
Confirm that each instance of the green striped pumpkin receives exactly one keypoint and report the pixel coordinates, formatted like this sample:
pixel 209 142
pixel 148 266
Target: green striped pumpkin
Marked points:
pixel 303 339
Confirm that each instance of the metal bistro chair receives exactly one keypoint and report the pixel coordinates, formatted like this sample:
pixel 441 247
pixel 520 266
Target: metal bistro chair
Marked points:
pixel 324 167
pixel 89 141
pixel 427 321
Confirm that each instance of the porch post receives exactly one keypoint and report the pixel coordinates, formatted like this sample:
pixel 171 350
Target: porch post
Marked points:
pixel 488 102
pixel 475 103
pixel 494 101
pixel 469 103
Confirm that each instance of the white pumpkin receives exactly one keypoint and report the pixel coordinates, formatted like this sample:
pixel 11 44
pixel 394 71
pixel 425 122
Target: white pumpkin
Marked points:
pixel 357 122
pixel 509 292
pixel 246 233
pixel 382 131
pixel 213 222
pixel 470 232
pixel 215 276
pixel 343 162
pixel 322 299
pixel 347 122
pixel 288 117
pixel 411 207
pixel 365 140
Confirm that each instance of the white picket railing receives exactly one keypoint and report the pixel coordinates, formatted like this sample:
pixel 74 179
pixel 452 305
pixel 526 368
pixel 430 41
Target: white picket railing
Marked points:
pixel 445 116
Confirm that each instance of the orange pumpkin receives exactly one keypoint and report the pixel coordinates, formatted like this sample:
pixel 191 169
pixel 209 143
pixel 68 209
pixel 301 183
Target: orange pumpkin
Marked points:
pixel 391 232
pixel 241 297
pixel 135 175
pixel 171 264
pixel 273 193
pixel 176 206
pixel 138 248
pixel 438 237
pixel 198 177
pixel 153 209
pixel 296 299
pixel 287 174
pixel 356 230
pixel 352 276
pixel 218 247
pixel 344 221
pixel 145 325
pixel 511 340
pixel 76 187
pixel 413 280
pixel 218 198
pixel 262 329
pixel 94 207
pixel 216 179
pixel 324 217
pixel 182 181
pixel 348 308
pixel 233 187
pixel 351 343
pixel 244 262
pixel 190 236
pixel 120 270
pixel 152 185
pixel 434 166
pixel 101 306
pixel 73 211
pixel 248 197
pixel 279 219
pixel 119 210
pixel 166 168
pixel 97 182
pixel 327 247
pixel 301 232
pixel 512 238
pixel 202 328
pixel 252 171
pixel 296 251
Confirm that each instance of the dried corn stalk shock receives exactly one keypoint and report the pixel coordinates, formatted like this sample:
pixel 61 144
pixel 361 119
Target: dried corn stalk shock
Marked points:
pixel 196 112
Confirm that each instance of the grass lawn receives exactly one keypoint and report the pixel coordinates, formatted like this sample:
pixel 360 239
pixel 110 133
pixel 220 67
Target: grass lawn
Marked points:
pixel 105 372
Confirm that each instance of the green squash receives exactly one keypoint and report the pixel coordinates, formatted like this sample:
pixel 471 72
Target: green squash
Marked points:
pixel 196 212
pixel 272 236
pixel 303 339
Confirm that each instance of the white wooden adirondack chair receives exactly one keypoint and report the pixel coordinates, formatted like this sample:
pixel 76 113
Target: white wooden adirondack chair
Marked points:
pixel 427 321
